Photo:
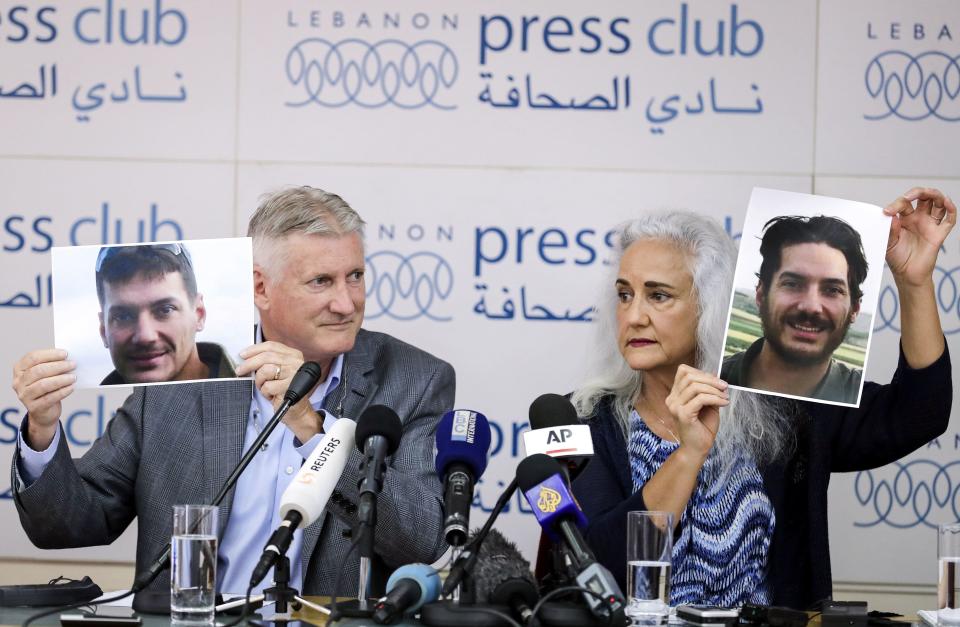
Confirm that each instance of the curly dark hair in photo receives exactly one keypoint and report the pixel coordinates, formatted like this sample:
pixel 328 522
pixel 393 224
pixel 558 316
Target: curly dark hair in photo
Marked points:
pixel 790 230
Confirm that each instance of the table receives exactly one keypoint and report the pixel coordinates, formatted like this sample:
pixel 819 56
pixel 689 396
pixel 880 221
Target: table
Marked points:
pixel 14 616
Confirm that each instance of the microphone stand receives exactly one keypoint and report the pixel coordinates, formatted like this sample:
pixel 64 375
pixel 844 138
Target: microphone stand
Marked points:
pixel 449 613
pixel 363 531
pixel 375 449
pixel 281 592
pixel 283 595
pixel 455 553
pixel 465 562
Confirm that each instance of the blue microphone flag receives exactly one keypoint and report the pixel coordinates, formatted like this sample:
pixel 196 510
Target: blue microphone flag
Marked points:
pixel 551 501
pixel 463 436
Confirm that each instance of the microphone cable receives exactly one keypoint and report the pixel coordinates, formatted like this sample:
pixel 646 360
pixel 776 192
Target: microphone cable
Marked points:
pixel 246 610
pixel 564 590
pixel 74 606
pixel 470 609
pixel 464 564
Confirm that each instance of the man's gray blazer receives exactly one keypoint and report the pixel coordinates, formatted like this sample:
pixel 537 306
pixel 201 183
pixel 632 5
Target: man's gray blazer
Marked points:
pixel 172 444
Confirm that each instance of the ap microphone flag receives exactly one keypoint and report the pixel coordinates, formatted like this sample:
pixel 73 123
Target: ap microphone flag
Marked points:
pixel 556 431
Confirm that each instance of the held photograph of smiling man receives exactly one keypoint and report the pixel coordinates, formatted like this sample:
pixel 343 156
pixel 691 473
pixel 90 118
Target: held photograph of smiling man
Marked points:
pixel 802 329
pixel 162 315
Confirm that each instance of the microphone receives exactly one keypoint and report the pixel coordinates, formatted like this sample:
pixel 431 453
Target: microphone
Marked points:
pixel 306 497
pixel 409 588
pixel 303 381
pixel 378 435
pixel 503 577
pixel 463 439
pixel 541 479
pixel 556 431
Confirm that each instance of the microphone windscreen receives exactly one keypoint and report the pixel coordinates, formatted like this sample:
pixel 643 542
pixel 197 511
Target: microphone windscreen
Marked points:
pixel 426 577
pixel 536 469
pixel 552 410
pixel 502 573
pixel 317 478
pixel 463 436
pixel 303 381
pixel 379 420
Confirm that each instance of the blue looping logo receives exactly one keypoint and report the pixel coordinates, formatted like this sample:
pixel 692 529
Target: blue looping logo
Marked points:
pixel 407 287
pixel 917 490
pixel 948 299
pixel 914 88
pixel 372 75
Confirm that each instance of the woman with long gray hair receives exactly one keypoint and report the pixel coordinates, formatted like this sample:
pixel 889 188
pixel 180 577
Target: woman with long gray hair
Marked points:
pixel 744 475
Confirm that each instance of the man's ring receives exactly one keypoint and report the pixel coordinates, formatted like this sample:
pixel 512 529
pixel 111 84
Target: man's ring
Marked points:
pixel 276 375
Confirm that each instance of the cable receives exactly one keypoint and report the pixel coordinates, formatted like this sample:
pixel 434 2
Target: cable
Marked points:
pixel 498 507
pixel 336 582
pixel 246 609
pixel 471 550
pixel 563 590
pixel 74 606
pixel 447 563
pixel 469 609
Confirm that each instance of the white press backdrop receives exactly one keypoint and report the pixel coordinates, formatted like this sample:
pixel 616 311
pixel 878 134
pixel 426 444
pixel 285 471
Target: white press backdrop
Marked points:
pixel 490 146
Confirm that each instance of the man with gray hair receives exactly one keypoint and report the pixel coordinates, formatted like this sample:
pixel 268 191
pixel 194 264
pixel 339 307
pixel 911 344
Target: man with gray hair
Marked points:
pixel 177 444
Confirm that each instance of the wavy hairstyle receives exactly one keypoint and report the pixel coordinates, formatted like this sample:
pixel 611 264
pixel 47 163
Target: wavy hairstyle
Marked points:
pixel 750 422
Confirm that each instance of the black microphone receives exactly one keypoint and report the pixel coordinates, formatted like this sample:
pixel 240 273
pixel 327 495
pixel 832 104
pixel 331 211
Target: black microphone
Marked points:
pixel 543 483
pixel 303 381
pixel 378 436
pixel 503 577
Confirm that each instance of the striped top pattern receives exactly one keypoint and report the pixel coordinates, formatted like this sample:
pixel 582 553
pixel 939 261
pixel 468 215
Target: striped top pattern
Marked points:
pixel 720 549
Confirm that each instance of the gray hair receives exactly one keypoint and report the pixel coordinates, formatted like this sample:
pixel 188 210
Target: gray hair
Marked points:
pixel 305 210
pixel 751 422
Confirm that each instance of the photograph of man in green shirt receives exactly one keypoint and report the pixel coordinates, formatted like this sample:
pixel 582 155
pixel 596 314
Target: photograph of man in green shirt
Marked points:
pixel 807 297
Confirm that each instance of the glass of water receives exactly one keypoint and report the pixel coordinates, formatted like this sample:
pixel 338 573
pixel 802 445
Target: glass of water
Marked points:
pixel 649 546
pixel 948 552
pixel 193 564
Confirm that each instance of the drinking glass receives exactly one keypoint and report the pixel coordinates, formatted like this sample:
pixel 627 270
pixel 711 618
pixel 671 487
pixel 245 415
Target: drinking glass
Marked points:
pixel 649 546
pixel 948 552
pixel 193 565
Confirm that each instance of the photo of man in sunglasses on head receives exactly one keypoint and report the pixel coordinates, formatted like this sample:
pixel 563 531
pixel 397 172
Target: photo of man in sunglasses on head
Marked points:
pixel 150 313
